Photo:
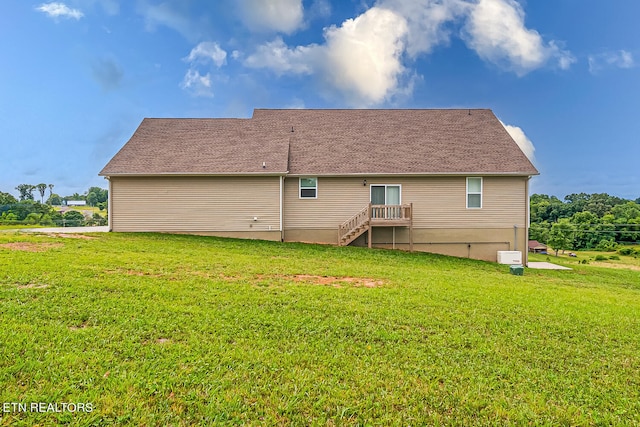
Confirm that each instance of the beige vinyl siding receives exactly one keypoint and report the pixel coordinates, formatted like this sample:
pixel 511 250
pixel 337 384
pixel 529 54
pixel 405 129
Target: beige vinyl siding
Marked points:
pixel 438 202
pixel 337 200
pixel 195 204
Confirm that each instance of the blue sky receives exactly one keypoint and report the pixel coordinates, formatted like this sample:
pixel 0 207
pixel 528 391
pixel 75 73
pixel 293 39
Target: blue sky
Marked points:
pixel 78 76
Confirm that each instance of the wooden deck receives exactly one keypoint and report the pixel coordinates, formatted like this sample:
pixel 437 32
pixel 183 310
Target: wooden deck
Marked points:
pixel 376 216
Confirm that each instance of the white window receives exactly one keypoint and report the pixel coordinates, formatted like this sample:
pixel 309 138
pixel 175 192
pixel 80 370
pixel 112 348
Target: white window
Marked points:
pixel 474 193
pixel 308 188
pixel 385 194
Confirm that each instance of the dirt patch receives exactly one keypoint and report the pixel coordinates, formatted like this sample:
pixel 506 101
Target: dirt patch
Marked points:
pixel 337 281
pixel 30 247
pixel 83 325
pixel 33 286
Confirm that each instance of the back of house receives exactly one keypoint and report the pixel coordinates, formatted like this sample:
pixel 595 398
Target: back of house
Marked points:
pixel 445 181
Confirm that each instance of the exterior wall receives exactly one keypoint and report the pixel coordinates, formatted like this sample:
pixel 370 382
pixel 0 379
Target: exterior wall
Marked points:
pixel 441 221
pixel 221 206
pixel 477 243
pixel 226 206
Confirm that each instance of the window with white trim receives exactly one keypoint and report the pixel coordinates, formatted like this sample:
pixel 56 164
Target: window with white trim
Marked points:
pixel 308 188
pixel 474 193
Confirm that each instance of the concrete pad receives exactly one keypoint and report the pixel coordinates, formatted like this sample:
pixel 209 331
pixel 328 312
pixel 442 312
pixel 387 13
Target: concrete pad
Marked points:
pixel 546 266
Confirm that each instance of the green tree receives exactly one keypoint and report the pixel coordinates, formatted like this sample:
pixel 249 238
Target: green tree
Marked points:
pixel 101 194
pixel 92 199
pixel 54 200
pixel 560 236
pixel 539 231
pixel 7 199
pixel 626 211
pixel 26 191
pixel 42 188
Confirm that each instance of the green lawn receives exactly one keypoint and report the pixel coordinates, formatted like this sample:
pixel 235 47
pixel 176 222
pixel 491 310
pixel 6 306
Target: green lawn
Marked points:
pixel 154 329
pixel 17 226
pixel 594 258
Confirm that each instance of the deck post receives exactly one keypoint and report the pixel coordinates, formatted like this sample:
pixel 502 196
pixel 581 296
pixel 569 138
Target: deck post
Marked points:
pixel 411 227
pixel 370 231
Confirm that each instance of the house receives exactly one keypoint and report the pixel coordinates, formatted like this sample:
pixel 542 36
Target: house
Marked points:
pixel 76 203
pixel 445 181
pixel 537 247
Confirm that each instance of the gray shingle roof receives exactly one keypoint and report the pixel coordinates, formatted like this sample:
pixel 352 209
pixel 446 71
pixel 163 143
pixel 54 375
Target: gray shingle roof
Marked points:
pixel 325 142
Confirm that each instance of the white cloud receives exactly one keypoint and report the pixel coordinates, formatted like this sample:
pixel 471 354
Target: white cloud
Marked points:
pixel 522 140
pixel 197 84
pixel 281 59
pixel 495 29
pixel 166 14
pixel 59 10
pixel 194 81
pixel 284 16
pixel 427 20
pixel 361 59
pixel 364 56
pixel 619 59
pixel 208 51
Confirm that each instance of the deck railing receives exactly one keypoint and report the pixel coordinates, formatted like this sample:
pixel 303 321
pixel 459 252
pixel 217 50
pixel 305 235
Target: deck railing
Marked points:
pixel 391 212
pixel 374 215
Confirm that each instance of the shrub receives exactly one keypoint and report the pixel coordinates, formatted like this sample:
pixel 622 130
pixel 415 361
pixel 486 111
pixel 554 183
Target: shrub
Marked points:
pixel 46 220
pixel 614 257
pixel 626 251
pixel 73 219
pixel 607 246
pixel 32 219
pixel 600 258
pixel 97 219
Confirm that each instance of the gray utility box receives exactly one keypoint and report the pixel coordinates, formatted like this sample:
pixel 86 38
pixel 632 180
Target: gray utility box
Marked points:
pixel 516 270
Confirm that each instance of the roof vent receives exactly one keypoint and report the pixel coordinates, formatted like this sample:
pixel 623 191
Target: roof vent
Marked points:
pixel 291 128
pixel 264 165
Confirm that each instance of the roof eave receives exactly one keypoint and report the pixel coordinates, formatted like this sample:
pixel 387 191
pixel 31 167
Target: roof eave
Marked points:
pixel 177 174
pixel 421 174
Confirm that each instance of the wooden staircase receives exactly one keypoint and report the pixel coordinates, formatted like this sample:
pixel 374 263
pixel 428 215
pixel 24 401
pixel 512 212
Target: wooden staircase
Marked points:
pixel 376 216
pixel 354 227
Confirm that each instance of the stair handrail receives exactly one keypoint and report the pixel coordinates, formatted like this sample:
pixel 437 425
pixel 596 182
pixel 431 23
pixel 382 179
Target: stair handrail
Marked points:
pixel 357 220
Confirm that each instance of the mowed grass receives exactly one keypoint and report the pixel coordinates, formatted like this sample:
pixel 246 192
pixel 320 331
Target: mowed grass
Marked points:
pixel 594 258
pixel 182 330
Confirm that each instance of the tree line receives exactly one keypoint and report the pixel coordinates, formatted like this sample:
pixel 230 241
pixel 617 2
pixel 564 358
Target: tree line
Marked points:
pixel 26 209
pixel 584 221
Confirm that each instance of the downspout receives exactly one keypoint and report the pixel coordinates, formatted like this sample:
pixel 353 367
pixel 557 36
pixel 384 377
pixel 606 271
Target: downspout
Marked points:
pixel 281 208
pixel 109 205
pixel 527 221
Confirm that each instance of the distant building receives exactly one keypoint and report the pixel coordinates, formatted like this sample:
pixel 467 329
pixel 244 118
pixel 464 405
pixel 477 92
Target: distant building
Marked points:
pixel 76 203
pixel 537 247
